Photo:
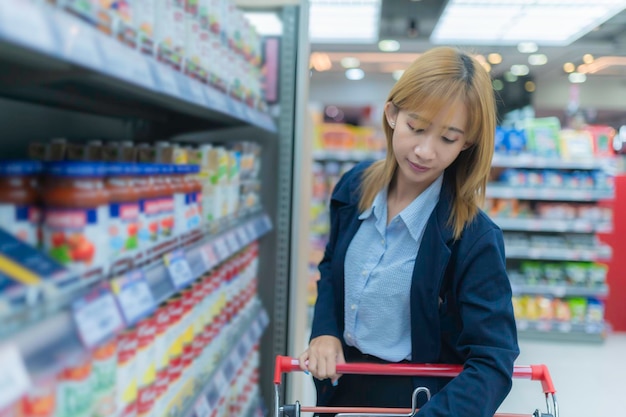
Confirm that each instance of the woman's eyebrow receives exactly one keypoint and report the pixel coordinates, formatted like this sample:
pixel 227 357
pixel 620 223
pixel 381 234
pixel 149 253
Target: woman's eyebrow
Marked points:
pixel 418 117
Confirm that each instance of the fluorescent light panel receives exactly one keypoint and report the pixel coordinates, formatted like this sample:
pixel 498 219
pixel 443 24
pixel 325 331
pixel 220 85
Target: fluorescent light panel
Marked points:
pixel 344 21
pixel 546 22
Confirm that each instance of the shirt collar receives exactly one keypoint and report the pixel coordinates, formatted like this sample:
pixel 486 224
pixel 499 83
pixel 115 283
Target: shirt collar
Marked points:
pixel 378 207
pixel 413 214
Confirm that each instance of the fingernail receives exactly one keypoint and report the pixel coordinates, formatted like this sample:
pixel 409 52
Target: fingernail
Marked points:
pixel 335 382
pixel 307 372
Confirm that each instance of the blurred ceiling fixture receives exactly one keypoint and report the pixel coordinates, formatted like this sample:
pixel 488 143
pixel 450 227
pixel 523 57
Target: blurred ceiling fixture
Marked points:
pixel 388 45
pixel 537 59
pixel 569 67
pixel 587 58
pixel 344 21
pixel 494 58
pixel 320 62
pixel 527 47
pixel 350 62
pixel 577 78
pixel 355 74
pixel 545 22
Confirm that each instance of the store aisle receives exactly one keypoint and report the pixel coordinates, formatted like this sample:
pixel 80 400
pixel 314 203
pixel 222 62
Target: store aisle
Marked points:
pixel 590 379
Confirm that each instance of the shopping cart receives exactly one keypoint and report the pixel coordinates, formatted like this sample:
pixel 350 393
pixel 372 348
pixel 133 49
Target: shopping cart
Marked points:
pixel 286 364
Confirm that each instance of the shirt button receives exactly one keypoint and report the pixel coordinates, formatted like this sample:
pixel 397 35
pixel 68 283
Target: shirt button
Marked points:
pixel 382 241
pixel 353 306
pixel 349 336
pixel 364 273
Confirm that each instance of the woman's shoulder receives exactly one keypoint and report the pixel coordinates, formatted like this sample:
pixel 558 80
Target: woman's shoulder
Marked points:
pixel 481 225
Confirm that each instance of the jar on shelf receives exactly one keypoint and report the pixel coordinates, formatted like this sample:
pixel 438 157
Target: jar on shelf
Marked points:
pixel 76 214
pixel 123 209
pixel 19 200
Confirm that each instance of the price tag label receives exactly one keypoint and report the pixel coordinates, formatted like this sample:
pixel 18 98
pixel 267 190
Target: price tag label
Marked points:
pixel 251 231
pixel 209 257
pixel 97 316
pixel 167 80
pixel 26 23
pixel 213 396
pixel 220 246
pixel 267 223
pixel 242 351
pixel 197 92
pixel 178 268
pixel 220 381
pixel 233 243
pixel 565 327
pixel 216 99
pixel 229 370
pixel 201 407
pixel 133 296
pixel 242 236
pixel 126 63
pixel 14 379
pixel 79 43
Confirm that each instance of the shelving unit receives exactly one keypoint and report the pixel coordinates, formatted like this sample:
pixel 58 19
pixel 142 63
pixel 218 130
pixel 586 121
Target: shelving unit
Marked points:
pixel 63 77
pixel 553 241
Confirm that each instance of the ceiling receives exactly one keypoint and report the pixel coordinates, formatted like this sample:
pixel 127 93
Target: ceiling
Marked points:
pixel 411 22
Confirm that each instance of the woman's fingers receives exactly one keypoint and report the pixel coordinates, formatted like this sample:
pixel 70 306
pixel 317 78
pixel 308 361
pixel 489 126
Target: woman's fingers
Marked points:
pixel 323 353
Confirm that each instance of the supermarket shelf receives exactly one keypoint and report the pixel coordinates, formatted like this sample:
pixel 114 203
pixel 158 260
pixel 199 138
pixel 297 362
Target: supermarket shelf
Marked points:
pixel 552 225
pixel 559 291
pixel 55 335
pixel 534 161
pixel 562 331
pixel 65 62
pixel 323 155
pixel 602 253
pixel 495 190
pixel 235 350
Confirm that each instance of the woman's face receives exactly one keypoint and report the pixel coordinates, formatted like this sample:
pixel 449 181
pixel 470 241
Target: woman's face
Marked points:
pixel 425 147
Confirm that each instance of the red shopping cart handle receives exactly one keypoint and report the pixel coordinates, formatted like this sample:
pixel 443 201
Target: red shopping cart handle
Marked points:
pixel 286 364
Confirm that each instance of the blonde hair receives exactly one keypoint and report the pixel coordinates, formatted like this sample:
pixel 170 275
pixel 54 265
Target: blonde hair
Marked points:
pixel 437 78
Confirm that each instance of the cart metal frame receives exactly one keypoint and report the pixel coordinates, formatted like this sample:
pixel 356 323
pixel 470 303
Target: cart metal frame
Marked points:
pixel 286 364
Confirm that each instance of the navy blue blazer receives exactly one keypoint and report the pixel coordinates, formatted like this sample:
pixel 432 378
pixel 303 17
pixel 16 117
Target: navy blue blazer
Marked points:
pixel 461 310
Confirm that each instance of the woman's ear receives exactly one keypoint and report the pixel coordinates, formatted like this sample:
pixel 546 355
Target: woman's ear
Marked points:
pixel 391 113
pixel 466 146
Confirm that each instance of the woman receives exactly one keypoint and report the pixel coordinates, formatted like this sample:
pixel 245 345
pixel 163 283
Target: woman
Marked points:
pixel 414 271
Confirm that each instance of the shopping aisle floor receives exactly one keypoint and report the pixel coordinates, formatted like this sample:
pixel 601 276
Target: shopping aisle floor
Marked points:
pixel 590 379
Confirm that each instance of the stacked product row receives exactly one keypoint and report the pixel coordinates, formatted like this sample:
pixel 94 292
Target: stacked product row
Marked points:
pixel 86 214
pixel 209 40
pixel 158 366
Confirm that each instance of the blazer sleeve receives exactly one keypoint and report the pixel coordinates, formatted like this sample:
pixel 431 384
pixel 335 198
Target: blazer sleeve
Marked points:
pixel 325 317
pixel 488 338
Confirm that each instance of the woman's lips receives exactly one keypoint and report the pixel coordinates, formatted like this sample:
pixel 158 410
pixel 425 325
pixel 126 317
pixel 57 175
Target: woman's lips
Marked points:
pixel 418 168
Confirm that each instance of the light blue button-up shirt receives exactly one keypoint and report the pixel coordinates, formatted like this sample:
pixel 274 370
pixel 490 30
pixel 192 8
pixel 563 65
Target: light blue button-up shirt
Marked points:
pixel 378 271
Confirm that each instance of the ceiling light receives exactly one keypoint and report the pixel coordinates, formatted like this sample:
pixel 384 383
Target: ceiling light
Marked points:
pixel 397 74
pixel 355 74
pixel 510 77
pixel 328 21
pixel 320 61
pixel 569 67
pixel 587 58
pixel 529 86
pixel 494 59
pixel 265 23
pixel 388 45
pixel 527 47
pixel 350 62
pixel 519 70
pixel 537 59
pixel 577 77
pixel 498 85
pixel 545 22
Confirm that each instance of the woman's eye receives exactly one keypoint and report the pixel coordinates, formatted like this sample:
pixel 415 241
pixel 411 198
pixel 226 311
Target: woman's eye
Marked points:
pixel 447 140
pixel 416 129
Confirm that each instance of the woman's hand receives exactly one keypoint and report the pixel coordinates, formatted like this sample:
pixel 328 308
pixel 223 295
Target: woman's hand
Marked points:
pixel 322 357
